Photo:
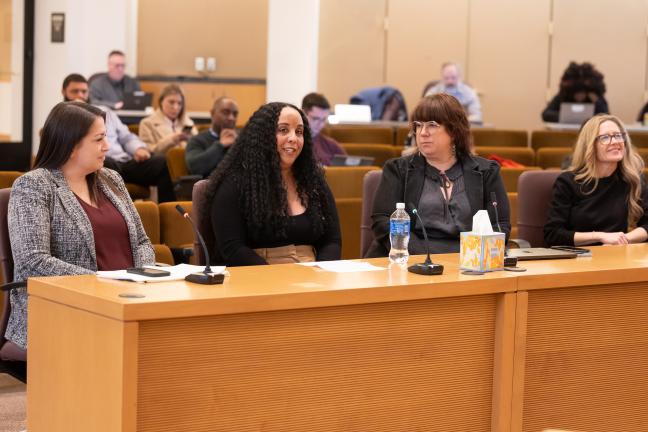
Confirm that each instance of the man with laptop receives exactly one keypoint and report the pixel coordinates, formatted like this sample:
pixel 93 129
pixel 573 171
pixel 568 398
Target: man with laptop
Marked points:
pixel 317 110
pixel 109 89
pixel 127 154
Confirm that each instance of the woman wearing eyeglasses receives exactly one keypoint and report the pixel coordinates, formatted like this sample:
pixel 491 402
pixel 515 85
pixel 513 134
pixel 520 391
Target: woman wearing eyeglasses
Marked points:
pixel 443 181
pixel 602 197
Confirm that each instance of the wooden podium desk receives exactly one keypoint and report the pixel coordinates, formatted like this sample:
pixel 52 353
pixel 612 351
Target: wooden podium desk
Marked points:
pixel 293 348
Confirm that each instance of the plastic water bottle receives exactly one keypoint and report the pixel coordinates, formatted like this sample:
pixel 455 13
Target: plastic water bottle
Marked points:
pixel 399 234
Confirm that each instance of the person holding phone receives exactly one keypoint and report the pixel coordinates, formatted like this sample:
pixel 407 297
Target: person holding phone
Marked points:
pixel 602 198
pixel 69 215
pixel 169 126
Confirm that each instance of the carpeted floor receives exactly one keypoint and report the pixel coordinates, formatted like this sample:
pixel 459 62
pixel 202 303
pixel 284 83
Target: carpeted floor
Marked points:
pixel 13 404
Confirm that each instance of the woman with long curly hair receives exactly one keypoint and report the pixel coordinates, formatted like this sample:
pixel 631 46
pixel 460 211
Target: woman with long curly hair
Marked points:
pixel 580 83
pixel 268 200
pixel 602 198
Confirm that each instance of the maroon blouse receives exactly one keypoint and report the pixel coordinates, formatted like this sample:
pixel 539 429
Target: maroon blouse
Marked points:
pixel 112 242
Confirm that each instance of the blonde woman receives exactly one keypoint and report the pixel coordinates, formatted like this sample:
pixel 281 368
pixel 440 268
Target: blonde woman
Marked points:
pixel 602 197
pixel 169 126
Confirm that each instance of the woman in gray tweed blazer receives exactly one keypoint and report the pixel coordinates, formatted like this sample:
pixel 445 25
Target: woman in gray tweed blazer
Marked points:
pixel 49 229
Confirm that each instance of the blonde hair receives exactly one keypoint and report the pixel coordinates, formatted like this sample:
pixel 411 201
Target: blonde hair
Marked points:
pixel 584 160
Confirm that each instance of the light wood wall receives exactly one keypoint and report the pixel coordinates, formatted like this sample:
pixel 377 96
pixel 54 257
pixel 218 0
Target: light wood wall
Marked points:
pixel 5 40
pixel 172 33
pixel 351 47
pixel 512 52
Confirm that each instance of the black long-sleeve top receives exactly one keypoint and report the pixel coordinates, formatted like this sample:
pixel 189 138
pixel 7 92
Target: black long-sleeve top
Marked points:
pixel 234 244
pixel 552 112
pixel 604 210
pixel 403 180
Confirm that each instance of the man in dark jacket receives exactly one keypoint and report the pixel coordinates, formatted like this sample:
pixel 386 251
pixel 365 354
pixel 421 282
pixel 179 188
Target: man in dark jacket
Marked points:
pixel 205 150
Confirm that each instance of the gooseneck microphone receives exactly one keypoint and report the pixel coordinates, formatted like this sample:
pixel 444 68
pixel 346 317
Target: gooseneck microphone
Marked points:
pixel 493 197
pixel 427 267
pixel 206 277
pixel 508 261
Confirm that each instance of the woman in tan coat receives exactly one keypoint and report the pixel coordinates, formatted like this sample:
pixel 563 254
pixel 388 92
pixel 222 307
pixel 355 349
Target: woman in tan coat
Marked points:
pixel 168 126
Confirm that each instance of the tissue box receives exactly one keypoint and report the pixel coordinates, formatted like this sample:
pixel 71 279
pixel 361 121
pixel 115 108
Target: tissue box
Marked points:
pixel 482 252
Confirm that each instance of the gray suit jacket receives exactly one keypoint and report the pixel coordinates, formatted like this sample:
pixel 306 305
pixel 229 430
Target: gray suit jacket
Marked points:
pixel 51 234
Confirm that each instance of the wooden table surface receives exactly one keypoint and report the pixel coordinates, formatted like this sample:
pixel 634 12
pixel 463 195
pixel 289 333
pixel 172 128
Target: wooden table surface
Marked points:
pixel 291 286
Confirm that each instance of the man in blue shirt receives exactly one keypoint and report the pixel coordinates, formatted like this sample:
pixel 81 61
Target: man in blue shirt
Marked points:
pixel 451 84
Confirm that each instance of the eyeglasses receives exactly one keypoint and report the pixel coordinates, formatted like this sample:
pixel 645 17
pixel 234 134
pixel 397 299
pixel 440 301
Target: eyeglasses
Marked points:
pixel 431 126
pixel 608 138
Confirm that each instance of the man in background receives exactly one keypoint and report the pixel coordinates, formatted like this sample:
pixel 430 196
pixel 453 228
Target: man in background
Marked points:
pixel 451 84
pixel 205 150
pixel 109 89
pixel 126 153
pixel 317 110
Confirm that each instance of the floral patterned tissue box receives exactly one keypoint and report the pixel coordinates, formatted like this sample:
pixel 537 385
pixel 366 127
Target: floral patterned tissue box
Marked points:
pixel 482 252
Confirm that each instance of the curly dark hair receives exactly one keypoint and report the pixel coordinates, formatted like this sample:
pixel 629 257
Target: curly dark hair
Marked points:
pixel 253 164
pixel 579 78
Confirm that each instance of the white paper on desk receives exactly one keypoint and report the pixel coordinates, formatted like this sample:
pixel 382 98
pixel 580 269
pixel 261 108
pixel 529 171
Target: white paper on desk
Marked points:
pixel 347 266
pixel 178 272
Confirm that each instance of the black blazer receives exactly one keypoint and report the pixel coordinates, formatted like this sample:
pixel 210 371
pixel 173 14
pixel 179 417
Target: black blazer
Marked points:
pixel 403 180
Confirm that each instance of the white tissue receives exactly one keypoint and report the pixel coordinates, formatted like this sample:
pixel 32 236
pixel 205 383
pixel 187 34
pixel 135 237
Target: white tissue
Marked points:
pixel 482 223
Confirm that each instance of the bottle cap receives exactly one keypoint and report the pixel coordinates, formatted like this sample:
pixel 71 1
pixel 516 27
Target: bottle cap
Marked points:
pixel 400 206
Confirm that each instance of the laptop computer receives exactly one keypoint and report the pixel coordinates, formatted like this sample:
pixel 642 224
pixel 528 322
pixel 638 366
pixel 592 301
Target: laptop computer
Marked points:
pixel 137 100
pixel 351 113
pixel 529 254
pixel 575 113
pixel 348 160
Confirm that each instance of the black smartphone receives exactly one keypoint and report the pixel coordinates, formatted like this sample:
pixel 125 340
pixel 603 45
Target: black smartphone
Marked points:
pixel 187 129
pixel 146 271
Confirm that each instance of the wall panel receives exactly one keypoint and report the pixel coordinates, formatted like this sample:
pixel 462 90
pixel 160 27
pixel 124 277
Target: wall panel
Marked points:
pixel 172 34
pixel 611 35
pixel 5 40
pixel 422 35
pixel 351 47
pixel 508 58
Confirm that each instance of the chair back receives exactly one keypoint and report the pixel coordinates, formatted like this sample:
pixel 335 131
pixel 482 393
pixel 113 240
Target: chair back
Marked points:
pixel 203 224
pixel 534 198
pixel 150 217
pixel 10 351
pixel 346 182
pixel 552 157
pixel 369 188
pixel 175 158
pixel 639 139
pixel 8 177
pixel 553 138
pixel 362 134
pixel 6 259
pixel 380 152
pixel 500 137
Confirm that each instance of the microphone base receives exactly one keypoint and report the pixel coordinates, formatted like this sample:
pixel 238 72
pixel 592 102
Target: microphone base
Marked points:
pixel 426 269
pixel 510 261
pixel 205 278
